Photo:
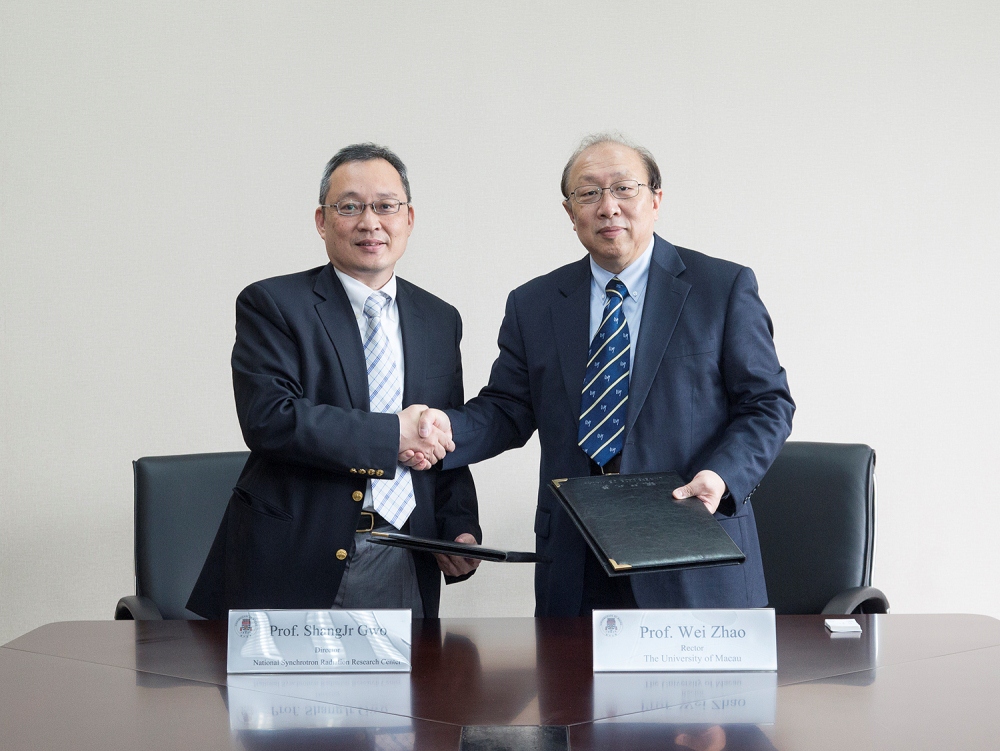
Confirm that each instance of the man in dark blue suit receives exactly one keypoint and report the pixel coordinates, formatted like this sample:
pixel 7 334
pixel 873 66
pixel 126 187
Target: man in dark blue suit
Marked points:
pixel 694 386
pixel 323 364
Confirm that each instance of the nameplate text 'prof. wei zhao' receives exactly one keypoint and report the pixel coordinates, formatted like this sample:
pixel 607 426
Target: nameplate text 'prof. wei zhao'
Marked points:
pixel 684 640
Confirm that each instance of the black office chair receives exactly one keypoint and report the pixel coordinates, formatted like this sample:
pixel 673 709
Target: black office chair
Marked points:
pixel 815 511
pixel 179 503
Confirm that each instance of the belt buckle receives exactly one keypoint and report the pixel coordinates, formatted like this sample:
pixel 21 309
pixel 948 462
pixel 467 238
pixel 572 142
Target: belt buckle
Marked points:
pixel 371 522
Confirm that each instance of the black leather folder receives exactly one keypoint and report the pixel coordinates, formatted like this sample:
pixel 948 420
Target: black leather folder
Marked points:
pixel 399 540
pixel 634 525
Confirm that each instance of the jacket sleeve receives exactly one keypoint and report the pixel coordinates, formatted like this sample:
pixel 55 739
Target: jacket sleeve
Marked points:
pixel 760 404
pixel 276 417
pixel 501 417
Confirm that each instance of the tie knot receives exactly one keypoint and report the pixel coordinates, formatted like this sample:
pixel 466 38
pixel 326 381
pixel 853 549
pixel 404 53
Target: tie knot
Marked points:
pixel 375 303
pixel 617 287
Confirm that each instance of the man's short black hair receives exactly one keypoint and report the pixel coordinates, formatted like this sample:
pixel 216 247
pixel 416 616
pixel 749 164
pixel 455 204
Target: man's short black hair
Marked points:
pixel 362 152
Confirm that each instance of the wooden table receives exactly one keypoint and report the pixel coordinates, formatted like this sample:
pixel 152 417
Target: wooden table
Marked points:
pixel 910 681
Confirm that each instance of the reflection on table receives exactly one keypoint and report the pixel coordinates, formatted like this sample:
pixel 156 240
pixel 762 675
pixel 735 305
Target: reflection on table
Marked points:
pixel 906 682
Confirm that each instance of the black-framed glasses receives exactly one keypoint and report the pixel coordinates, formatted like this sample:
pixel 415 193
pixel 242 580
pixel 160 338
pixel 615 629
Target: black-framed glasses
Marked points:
pixel 621 190
pixel 357 208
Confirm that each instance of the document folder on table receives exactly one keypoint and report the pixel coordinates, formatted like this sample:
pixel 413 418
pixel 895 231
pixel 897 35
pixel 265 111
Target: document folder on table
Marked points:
pixel 399 540
pixel 634 525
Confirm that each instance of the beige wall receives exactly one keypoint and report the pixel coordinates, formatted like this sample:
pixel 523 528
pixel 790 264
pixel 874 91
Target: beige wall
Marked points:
pixel 154 159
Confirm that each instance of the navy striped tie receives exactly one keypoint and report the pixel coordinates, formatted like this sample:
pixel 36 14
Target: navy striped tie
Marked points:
pixel 605 386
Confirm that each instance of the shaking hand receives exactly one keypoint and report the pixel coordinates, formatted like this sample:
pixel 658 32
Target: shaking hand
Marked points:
pixel 424 436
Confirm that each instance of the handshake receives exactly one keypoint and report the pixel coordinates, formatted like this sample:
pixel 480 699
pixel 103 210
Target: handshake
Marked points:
pixel 424 436
pixel 424 439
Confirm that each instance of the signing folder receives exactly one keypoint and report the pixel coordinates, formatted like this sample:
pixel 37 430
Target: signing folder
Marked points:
pixel 464 550
pixel 633 523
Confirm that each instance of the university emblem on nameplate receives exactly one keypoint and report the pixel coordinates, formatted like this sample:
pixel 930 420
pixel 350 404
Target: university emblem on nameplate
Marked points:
pixel 245 628
pixel 611 625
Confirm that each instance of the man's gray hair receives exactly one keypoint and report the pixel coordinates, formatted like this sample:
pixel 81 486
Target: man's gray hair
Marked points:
pixel 362 152
pixel 652 169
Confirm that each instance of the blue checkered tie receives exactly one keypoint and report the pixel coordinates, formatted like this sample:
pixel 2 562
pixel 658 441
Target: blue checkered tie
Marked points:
pixel 605 386
pixel 392 499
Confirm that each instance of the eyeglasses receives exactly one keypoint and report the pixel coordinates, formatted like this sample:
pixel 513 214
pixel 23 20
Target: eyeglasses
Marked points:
pixel 621 190
pixel 356 208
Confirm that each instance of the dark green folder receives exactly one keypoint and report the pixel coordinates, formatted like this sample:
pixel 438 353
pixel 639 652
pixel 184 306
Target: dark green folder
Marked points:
pixel 634 525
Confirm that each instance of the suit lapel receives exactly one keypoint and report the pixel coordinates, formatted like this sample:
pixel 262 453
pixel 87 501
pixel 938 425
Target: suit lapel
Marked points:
pixel 571 329
pixel 341 326
pixel 413 326
pixel 665 296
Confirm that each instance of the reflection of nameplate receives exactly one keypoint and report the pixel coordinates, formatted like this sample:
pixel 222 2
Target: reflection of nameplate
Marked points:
pixel 319 641
pixel 684 640
pixel 687 698
pixel 281 702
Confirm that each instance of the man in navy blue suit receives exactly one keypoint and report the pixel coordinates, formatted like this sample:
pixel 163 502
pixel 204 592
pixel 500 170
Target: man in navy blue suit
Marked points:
pixel 694 385
pixel 331 369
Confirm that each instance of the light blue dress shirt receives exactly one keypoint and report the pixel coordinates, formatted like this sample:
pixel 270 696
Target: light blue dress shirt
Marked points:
pixel 635 276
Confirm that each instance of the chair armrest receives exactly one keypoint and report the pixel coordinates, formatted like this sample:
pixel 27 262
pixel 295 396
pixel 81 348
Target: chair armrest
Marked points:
pixel 135 608
pixel 862 599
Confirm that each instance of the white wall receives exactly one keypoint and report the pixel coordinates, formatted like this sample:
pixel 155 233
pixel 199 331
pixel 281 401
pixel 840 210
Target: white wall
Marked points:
pixel 154 159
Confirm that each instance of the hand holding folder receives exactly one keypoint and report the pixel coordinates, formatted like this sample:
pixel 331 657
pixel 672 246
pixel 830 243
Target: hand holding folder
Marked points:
pixel 634 525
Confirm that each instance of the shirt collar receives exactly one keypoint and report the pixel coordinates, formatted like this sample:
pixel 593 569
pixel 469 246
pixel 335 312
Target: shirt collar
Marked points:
pixel 634 275
pixel 359 292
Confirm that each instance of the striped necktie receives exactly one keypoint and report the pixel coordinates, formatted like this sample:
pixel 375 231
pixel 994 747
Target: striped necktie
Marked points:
pixel 605 386
pixel 393 499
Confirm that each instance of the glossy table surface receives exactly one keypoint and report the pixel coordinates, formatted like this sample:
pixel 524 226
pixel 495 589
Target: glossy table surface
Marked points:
pixel 909 681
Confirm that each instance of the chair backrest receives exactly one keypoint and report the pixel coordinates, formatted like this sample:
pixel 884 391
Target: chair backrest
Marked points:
pixel 179 503
pixel 815 511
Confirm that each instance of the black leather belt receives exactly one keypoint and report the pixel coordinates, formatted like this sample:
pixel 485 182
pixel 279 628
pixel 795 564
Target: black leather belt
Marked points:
pixel 613 467
pixel 370 520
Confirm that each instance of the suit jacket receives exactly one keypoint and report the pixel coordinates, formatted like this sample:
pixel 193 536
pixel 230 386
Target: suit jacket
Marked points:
pixel 301 387
pixel 706 392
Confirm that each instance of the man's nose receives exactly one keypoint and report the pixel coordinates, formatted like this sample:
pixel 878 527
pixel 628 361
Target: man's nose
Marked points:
pixel 608 205
pixel 369 219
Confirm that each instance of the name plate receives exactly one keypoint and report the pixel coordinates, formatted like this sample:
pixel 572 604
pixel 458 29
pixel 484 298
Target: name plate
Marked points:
pixel 684 640
pixel 319 641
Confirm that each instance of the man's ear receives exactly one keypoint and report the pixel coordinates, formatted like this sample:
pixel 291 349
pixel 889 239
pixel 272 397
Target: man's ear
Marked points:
pixel 657 198
pixel 569 210
pixel 321 221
